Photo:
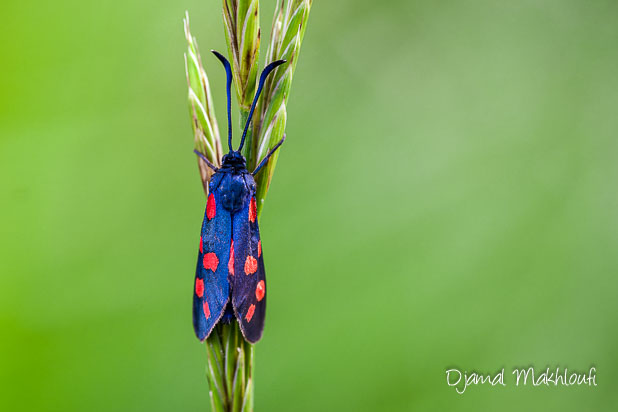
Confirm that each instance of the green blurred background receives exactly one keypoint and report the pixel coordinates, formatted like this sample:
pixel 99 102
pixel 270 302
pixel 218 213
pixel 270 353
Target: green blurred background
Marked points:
pixel 446 198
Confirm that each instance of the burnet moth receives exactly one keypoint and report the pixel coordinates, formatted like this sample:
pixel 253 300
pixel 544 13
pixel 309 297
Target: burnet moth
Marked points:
pixel 229 280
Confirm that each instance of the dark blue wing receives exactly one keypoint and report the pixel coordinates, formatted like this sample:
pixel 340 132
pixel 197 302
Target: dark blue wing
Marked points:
pixel 249 280
pixel 212 289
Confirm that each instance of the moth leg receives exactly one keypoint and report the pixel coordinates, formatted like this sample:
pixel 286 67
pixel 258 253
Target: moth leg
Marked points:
pixel 213 167
pixel 263 162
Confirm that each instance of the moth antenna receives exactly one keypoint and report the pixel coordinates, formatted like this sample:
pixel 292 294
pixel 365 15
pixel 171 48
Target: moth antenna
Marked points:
pixel 267 70
pixel 228 72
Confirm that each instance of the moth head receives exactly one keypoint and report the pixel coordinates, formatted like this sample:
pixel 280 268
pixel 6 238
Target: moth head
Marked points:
pixel 234 160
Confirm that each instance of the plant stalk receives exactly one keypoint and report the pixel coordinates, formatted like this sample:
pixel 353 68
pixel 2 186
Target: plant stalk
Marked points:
pixel 230 357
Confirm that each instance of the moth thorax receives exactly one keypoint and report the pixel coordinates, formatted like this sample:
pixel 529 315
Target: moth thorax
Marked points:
pixel 234 192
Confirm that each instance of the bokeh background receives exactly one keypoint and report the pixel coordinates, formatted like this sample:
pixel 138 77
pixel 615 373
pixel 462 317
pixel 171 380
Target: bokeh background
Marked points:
pixel 446 198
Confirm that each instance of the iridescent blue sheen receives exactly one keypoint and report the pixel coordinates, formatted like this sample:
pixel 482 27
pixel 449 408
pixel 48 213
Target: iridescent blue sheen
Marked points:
pixel 227 293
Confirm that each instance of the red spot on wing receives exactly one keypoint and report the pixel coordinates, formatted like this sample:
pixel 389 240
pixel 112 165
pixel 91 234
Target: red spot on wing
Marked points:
pixel 259 248
pixel 211 261
pixel 260 290
pixel 252 210
pixel 206 310
pixel 249 314
pixel 199 287
pixel 201 245
pixel 211 207
pixel 230 264
pixel 250 265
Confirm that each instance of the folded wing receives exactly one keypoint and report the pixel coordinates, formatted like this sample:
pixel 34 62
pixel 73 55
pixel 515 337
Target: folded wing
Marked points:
pixel 212 289
pixel 249 279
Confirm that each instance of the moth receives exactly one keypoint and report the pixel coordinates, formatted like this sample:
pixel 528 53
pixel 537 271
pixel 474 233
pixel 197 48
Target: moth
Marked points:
pixel 230 282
